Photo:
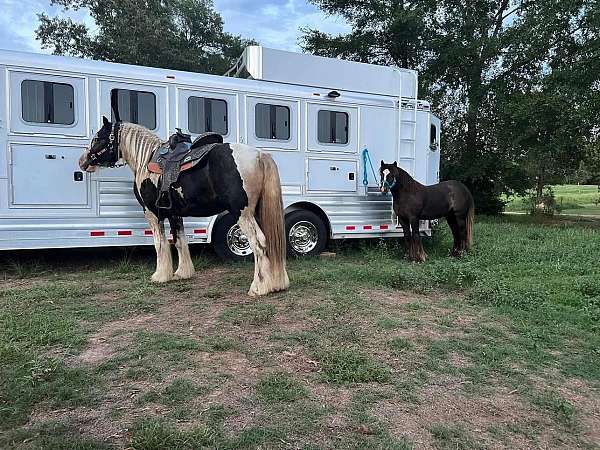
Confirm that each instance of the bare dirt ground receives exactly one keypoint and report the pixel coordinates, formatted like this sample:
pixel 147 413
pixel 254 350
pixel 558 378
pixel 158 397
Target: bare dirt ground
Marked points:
pixel 206 348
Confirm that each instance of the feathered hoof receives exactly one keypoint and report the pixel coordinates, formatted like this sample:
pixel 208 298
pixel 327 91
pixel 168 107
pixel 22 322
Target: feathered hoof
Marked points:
pixel 268 287
pixel 182 274
pixel 160 278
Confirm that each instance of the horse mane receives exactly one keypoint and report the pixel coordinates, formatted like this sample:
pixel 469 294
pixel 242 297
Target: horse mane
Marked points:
pixel 137 145
pixel 407 183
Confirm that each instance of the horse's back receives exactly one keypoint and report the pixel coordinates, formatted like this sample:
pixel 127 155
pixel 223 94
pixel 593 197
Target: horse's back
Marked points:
pixel 459 194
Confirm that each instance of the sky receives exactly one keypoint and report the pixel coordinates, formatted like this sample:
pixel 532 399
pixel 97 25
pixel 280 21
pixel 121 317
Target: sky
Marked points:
pixel 274 24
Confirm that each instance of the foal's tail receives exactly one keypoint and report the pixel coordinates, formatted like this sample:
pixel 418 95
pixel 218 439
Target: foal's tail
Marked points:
pixel 270 219
pixel 470 219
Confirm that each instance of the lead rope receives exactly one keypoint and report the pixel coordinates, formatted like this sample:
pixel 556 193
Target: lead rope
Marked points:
pixel 367 159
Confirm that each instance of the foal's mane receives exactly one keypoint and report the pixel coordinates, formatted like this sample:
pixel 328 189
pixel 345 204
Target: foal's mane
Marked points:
pixel 406 182
pixel 137 145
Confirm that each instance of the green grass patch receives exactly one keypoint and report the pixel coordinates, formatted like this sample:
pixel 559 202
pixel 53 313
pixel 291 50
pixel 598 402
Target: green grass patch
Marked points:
pixel 280 387
pixel 256 314
pixel 400 345
pixel 453 437
pixel 348 365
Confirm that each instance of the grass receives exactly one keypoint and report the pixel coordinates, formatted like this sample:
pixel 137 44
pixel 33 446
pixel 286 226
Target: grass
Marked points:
pixel 359 344
pixel 280 387
pixel 572 199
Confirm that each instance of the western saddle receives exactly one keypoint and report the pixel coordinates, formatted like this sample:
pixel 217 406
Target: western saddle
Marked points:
pixel 179 154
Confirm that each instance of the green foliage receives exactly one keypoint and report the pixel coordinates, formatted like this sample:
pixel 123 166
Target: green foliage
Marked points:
pixel 514 81
pixel 175 34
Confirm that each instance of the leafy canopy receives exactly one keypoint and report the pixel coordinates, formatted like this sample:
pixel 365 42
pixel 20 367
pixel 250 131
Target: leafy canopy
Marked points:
pixel 175 34
pixel 516 82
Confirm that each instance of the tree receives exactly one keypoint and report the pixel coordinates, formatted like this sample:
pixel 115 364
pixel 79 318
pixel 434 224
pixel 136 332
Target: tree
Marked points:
pixel 175 34
pixel 472 57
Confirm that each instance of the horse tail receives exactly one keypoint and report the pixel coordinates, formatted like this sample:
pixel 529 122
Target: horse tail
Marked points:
pixel 470 219
pixel 271 221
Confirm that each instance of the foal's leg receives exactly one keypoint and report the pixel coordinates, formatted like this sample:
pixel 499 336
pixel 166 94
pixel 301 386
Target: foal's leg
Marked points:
pixel 407 235
pixel 419 254
pixel 453 224
pixel 462 228
pixel 261 284
pixel 164 262
pixel 185 268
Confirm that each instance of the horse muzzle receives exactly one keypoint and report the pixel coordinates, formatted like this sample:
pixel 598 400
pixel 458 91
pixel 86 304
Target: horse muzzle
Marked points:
pixel 84 163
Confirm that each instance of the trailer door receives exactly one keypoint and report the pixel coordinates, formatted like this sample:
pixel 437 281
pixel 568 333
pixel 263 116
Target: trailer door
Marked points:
pixel 48 125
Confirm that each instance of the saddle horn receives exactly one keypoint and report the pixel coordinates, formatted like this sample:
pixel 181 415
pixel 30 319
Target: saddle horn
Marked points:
pixel 114 103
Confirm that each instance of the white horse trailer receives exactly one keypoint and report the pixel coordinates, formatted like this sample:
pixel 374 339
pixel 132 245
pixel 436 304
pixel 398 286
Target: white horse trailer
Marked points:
pixel 316 116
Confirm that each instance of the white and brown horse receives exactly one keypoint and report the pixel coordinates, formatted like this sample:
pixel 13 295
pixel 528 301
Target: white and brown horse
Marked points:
pixel 234 177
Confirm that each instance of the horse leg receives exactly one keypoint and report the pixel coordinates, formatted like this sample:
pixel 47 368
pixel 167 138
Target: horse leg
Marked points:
pixel 462 228
pixel 164 262
pixel 419 254
pixel 262 282
pixel 395 219
pixel 407 235
pixel 185 268
pixel 453 224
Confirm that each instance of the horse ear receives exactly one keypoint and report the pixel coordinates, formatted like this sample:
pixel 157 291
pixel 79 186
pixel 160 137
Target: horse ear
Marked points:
pixel 395 164
pixel 105 122
pixel 382 163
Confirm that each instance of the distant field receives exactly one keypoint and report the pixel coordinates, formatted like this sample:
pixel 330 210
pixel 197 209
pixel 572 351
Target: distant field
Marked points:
pixel 574 200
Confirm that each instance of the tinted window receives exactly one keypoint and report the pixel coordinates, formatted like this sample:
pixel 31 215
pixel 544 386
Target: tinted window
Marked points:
pixel 433 136
pixel 207 114
pixel 47 102
pixel 137 107
pixel 272 121
pixel 333 127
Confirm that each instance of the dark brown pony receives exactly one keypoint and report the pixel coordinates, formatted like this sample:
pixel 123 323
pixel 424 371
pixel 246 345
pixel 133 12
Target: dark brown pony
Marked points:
pixel 414 201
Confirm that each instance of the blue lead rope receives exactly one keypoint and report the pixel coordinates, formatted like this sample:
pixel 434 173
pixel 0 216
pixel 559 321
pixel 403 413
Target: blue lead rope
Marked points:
pixel 367 159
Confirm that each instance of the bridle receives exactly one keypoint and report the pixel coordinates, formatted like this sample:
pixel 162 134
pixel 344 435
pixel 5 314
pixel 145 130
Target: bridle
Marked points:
pixel 387 185
pixel 113 148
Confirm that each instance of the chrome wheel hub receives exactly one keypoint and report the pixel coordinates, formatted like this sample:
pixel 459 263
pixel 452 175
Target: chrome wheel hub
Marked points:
pixel 303 237
pixel 238 242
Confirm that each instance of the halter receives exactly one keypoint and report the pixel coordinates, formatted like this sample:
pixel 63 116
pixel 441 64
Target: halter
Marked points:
pixel 113 147
pixel 388 185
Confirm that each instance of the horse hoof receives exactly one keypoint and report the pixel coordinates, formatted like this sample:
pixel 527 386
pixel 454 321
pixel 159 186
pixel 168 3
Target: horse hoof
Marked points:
pixel 183 274
pixel 160 278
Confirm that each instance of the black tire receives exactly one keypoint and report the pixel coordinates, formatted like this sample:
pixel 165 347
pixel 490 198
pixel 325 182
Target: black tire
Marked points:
pixel 224 247
pixel 313 233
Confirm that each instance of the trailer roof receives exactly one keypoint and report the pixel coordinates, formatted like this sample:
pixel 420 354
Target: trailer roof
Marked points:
pixel 267 64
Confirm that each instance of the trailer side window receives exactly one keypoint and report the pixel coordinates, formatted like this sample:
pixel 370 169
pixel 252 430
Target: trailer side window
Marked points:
pixel 47 102
pixel 333 127
pixel 272 121
pixel 137 107
pixel 433 138
pixel 207 114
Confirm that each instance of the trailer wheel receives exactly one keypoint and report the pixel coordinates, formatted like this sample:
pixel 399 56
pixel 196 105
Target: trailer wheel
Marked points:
pixel 229 242
pixel 305 232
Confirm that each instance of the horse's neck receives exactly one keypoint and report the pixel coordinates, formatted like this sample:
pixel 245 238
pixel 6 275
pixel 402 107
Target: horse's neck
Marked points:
pixel 408 183
pixel 137 146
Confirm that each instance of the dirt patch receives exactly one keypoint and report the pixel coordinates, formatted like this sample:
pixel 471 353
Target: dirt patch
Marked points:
pixel 445 404
pixel 581 395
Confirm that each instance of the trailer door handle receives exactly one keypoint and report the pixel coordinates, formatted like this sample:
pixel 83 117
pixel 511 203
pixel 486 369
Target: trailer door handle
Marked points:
pixel 78 176
pixel 50 156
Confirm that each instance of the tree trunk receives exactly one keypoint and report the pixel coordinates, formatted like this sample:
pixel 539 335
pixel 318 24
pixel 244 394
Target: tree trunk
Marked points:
pixel 539 187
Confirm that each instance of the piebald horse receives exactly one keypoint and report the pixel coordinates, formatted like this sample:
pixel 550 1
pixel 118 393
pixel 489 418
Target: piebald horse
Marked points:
pixel 413 201
pixel 235 178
